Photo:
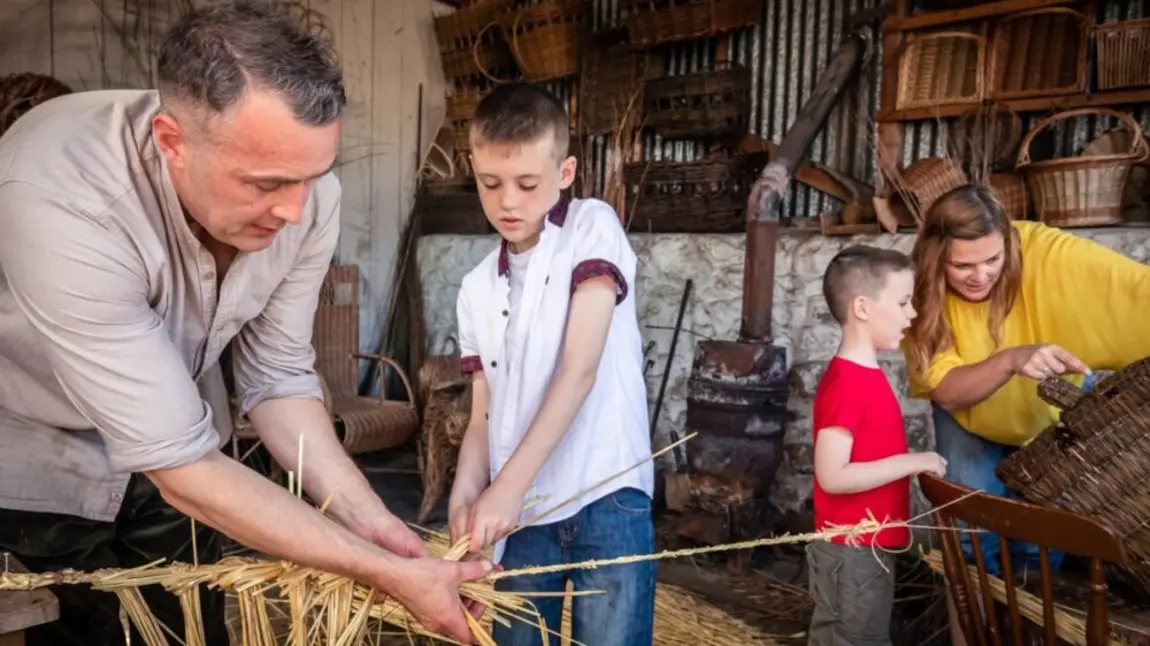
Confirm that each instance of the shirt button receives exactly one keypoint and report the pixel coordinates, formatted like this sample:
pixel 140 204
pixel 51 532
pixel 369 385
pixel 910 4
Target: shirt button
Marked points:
pixel 493 364
pixel 486 416
pixel 504 312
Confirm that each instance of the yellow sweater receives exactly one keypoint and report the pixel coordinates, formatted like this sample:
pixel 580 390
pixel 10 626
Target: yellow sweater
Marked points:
pixel 1075 293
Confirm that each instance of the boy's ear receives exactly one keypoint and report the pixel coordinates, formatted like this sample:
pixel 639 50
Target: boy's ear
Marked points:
pixel 567 172
pixel 860 308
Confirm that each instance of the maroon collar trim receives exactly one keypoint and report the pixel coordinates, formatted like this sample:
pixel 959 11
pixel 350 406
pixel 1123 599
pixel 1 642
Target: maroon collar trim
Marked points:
pixel 557 216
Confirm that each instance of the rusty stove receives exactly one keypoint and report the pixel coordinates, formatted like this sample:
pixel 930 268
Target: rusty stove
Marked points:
pixel 737 391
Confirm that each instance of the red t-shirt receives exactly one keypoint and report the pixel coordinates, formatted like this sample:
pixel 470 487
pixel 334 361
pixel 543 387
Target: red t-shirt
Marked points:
pixel 861 400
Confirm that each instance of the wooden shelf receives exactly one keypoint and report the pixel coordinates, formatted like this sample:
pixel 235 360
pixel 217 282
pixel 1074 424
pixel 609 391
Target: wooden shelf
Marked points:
pixel 1037 104
pixel 942 18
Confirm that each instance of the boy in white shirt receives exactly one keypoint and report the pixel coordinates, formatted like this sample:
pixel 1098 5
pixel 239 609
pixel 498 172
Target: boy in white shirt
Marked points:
pixel 548 328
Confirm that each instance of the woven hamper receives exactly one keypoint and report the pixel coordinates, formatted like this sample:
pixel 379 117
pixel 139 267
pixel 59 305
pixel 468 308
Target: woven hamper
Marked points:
pixel 1096 462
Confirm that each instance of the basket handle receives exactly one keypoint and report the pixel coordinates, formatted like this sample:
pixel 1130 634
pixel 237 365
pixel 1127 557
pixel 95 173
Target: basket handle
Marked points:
pixel 475 53
pixel 1137 145
pixel 1035 12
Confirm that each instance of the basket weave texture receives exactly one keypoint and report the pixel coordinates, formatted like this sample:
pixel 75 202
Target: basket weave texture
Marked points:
pixel 702 104
pixel 547 38
pixel 1097 461
pixel 654 22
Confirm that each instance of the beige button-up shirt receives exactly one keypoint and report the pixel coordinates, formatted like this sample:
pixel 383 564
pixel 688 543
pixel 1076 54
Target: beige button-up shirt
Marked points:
pixel 111 322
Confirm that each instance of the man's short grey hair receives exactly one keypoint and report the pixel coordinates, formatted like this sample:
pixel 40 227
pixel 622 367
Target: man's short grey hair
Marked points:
pixel 211 55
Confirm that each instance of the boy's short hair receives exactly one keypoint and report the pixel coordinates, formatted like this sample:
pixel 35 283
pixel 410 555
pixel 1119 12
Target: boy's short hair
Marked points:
pixel 859 270
pixel 519 113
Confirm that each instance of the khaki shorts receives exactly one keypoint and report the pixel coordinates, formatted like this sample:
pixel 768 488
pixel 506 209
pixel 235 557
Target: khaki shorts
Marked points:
pixel 853 595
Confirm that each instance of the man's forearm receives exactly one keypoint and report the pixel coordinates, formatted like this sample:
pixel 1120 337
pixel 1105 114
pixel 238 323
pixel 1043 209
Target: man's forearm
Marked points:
pixel 562 402
pixel 326 466
pixel 226 495
pixel 970 385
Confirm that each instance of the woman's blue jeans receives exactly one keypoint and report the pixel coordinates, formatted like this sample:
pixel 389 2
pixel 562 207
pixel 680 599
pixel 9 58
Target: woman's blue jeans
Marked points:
pixel 971 461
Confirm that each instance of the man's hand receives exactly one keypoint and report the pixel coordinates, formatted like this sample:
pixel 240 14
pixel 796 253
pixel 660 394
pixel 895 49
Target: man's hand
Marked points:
pixel 495 514
pixel 429 590
pixel 1042 361
pixel 393 535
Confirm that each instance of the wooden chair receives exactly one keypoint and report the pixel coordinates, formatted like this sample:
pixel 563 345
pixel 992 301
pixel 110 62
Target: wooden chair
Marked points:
pixel 1050 529
pixel 368 423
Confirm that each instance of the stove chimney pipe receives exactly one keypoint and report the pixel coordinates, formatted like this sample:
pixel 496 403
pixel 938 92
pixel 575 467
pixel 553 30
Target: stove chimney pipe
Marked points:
pixel 766 194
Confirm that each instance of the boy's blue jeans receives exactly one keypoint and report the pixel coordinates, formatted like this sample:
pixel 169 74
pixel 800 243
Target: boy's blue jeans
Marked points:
pixel 971 461
pixel 623 614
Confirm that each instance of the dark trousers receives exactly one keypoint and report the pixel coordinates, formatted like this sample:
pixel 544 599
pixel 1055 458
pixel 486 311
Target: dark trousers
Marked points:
pixel 146 529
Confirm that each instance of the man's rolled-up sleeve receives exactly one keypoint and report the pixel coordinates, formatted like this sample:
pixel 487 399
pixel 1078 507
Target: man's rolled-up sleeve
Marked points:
pixel 84 288
pixel 273 356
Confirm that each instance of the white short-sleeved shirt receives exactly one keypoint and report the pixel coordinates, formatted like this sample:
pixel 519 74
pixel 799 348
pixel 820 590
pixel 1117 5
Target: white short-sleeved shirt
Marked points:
pixel 519 353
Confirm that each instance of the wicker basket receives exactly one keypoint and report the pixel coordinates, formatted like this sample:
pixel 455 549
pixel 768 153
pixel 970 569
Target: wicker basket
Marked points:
pixel 707 196
pixel 941 68
pixel 701 104
pixel 926 180
pixel 1039 53
pixel 987 133
pixel 547 38
pixel 611 82
pixel 1080 191
pixel 460 110
pixel 1097 462
pixel 653 22
pixel 468 44
pixel 23 91
pixel 1123 54
pixel 1010 189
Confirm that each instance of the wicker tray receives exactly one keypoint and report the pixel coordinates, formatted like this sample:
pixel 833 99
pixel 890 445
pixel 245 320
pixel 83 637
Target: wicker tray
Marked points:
pixel 1085 190
pixel 653 22
pixel 1123 54
pixel 701 104
pixel 926 180
pixel 1038 53
pixel 547 38
pixel 941 68
pixel 707 196
pixel 1010 189
pixel 469 46
pixel 1097 462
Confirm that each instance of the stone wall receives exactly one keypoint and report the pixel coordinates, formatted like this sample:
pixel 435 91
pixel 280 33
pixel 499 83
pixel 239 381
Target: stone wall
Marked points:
pixel 800 320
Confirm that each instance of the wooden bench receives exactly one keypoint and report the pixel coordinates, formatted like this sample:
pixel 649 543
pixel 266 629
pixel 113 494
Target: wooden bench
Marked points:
pixel 20 611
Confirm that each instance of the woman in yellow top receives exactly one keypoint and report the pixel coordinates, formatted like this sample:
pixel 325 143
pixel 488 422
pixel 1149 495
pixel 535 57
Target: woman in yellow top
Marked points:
pixel 1002 305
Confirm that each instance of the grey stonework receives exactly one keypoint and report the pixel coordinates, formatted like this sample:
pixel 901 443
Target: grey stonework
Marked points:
pixel 800 320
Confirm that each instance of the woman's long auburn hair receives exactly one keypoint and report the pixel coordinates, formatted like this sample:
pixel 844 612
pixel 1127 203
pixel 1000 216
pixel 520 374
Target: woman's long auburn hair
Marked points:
pixel 968 212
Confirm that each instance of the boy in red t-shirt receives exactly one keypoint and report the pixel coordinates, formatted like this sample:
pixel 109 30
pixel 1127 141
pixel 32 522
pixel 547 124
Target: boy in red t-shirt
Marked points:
pixel 862 466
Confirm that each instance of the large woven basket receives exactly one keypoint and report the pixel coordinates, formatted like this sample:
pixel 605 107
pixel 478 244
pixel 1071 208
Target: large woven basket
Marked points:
pixel 460 110
pixel 708 196
pixel 1040 52
pixel 1123 54
pixel 468 44
pixel 701 104
pixel 1010 189
pixel 1085 190
pixel 1097 461
pixel 654 22
pixel 547 38
pixel 941 68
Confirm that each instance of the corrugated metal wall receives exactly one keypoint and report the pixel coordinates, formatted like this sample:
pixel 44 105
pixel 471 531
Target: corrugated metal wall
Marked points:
pixel 788 52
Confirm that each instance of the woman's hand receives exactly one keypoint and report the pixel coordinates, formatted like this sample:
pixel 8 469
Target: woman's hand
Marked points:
pixel 1043 361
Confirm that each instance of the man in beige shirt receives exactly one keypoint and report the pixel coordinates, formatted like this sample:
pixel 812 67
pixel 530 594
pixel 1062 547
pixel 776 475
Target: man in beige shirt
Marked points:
pixel 142 234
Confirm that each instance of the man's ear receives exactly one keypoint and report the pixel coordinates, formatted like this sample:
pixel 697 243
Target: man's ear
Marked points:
pixel 170 139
